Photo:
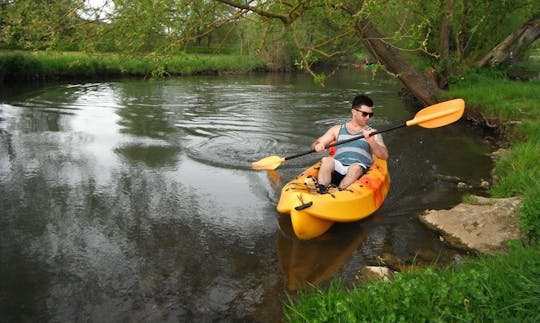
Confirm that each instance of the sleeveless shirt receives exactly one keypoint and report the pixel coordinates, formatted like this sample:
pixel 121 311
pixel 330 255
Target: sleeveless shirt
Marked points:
pixel 356 151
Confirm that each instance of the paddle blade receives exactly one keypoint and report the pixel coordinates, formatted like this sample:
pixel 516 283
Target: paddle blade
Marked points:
pixel 438 115
pixel 268 163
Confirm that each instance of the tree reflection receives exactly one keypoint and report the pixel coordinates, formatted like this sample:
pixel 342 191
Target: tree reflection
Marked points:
pixel 143 113
pixel 151 156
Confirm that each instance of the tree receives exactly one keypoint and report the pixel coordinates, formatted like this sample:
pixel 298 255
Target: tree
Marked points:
pixel 513 45
pixel 40 24
pixel 446 35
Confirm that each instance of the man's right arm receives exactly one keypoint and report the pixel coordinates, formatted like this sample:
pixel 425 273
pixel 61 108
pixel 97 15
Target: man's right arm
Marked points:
pixel 319 145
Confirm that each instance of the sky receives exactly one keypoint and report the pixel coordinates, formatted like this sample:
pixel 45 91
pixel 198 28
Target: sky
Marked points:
pixel 98 4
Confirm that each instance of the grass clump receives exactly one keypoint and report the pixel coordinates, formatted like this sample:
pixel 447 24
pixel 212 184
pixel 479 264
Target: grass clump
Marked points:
pixel 502 288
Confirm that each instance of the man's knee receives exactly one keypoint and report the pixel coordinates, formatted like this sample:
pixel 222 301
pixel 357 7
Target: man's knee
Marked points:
pixel 356 170
pixel 328 161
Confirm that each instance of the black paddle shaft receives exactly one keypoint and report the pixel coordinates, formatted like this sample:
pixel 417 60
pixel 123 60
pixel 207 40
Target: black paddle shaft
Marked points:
pixel 346 141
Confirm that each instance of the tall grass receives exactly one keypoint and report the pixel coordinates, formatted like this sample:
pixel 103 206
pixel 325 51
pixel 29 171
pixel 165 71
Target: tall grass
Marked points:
pixel 21 65
pixel 504 288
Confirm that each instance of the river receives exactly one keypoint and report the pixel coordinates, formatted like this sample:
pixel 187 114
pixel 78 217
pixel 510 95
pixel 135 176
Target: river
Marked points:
pixel 134 200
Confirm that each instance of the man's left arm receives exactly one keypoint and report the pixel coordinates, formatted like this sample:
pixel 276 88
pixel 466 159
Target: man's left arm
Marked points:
pixel 378 148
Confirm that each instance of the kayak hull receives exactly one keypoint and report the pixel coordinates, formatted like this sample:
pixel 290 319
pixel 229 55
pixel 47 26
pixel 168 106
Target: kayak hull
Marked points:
pixel 312 213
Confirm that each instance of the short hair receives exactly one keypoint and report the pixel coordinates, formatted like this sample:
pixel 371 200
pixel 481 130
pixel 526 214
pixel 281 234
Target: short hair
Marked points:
pixel 361 99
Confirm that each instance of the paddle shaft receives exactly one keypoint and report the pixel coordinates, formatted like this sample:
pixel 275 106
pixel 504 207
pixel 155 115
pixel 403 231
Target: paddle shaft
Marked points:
pixel 346 141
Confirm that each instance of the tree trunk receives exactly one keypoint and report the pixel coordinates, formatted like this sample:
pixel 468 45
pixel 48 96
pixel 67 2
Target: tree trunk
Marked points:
pixel 444 44
pixel 422 87
pixel 514 44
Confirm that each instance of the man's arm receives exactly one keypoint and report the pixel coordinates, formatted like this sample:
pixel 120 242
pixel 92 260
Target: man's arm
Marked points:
pixel 378 148
pixel 320 144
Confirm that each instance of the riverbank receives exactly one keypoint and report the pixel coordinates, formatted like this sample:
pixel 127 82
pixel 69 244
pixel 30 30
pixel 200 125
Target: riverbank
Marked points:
pixel 503 287
pixel 40 65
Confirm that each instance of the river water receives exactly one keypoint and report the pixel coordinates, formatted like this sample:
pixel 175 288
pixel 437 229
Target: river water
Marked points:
pixel 134 200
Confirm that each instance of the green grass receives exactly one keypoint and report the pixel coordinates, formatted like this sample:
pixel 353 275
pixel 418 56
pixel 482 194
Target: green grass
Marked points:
pixel 26 65
pixel 497 97
pixel 504 288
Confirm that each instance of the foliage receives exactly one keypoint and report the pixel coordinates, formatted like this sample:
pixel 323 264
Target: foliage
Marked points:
pixel 471 30
pixel 503 288
pixel 28 24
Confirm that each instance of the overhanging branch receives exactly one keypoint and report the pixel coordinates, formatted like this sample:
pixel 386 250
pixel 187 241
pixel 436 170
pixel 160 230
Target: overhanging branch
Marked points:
pixel 286 19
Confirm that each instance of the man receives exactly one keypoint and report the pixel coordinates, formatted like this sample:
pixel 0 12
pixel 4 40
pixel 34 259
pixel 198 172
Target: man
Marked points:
pixel 351 160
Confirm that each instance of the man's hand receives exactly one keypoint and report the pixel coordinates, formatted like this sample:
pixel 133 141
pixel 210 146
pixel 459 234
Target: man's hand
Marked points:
pixel 318 146
pixel 368 136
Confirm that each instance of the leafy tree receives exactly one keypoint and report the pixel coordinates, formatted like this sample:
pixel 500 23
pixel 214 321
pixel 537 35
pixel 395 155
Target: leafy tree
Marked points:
pixel 32 24
pixel 446 36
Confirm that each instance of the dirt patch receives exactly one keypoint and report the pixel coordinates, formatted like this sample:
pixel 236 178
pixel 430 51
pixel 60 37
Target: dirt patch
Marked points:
pixel 483 224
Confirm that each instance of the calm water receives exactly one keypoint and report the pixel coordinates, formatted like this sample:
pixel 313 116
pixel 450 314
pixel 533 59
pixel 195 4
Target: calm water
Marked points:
pixel 134 200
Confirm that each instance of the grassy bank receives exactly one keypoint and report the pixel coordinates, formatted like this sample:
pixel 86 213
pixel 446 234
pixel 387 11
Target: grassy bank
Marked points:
pixel 26 65
pixel 505 288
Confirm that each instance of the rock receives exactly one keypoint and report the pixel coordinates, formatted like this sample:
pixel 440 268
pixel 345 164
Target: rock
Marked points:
pixel 481 224
pixel 484 184
pixel 376 272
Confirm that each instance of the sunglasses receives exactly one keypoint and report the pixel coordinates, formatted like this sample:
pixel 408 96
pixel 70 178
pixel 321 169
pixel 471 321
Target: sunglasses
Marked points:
pixel 364 113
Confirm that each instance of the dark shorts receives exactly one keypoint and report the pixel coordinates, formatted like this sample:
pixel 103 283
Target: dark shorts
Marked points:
pixel 336 178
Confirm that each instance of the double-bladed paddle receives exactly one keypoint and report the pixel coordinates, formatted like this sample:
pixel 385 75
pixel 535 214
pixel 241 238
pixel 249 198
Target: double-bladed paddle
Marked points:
pixel 434 116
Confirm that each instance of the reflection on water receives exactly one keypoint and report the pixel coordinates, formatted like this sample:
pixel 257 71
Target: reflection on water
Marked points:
pixel 135 200
pixel 308 263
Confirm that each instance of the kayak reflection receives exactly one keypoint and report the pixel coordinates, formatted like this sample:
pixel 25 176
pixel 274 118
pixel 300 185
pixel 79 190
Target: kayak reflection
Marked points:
pixel 304 263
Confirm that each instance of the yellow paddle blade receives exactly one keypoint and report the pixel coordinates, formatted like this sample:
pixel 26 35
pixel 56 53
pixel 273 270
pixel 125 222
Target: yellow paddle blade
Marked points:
pixel 439 114
pixel 268 163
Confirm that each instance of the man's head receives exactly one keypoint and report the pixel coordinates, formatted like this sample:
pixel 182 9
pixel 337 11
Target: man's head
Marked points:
pixel 362 109
pixel 360 100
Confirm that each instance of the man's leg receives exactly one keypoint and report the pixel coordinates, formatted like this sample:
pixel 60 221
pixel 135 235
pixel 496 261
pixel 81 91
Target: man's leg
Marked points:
pixel 325 172
pixel 354 172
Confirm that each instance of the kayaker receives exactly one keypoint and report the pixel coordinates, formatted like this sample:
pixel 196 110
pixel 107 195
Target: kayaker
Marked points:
pixel 350 160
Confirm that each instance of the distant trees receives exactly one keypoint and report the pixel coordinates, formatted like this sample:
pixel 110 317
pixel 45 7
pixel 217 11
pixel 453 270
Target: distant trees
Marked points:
pixel 423 43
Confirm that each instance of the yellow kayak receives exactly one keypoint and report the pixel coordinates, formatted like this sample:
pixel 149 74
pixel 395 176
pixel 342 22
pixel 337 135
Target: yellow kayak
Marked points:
pixel 312 213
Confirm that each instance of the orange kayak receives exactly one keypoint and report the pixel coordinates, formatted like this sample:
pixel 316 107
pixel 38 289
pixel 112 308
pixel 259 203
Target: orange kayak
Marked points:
pixel 312 213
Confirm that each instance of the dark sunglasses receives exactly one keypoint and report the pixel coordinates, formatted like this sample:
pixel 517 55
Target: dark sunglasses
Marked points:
pixel 364 113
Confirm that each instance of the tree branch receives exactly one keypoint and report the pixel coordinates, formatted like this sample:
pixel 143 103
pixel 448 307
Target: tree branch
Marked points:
pixel 286 19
